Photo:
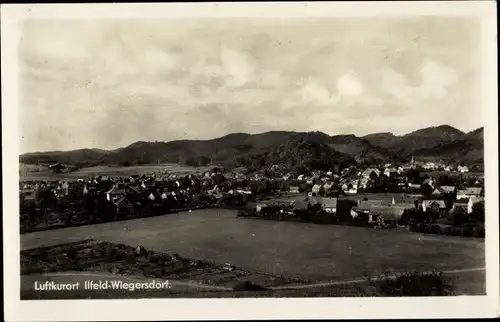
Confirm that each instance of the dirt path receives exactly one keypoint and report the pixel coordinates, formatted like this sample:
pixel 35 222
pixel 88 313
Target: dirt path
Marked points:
pixel 364 279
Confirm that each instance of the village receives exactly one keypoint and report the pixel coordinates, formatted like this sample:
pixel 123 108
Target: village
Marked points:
pixel 450 201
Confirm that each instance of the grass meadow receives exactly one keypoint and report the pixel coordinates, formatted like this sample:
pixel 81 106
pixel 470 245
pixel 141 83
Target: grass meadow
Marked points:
pixel 308 251
pixel 33 173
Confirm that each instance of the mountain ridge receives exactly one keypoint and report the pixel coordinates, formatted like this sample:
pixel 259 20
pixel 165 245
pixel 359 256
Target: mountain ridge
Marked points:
pixel 370 149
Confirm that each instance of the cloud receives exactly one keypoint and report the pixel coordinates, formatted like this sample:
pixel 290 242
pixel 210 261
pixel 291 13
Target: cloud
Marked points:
pixel 437 78
pixel 312 91
pixel 436 81
pixel 237 66
pixel 349 85
pixel 108 83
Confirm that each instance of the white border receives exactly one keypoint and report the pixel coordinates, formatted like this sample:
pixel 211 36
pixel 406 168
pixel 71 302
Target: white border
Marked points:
pixel 208 309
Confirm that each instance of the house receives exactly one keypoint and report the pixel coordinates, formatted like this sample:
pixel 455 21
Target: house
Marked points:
pixel 388 172
pixel 309 181
pixel 115 194
pixel 448 168
pixel 124 205
pixel 433 205
pixel 447 189
pixel 329 205
pixel 386 215
pixel 259 207
pixel 469 192
pixel 365 206
pixel 462 169
pixel 294 189
pixel 414 186
pixel 316 188
pixel 457 206
pixel 352 189
pixel 371 172
pixel 57 167
pixel 65 187
pixel 243 192
pixel 215 190
pixel 300 177
pixel 436 192
pixel 287 176
pixel 429 182
pixel 366 182
pixel 430 166
pixel 443 190
pixel 472 201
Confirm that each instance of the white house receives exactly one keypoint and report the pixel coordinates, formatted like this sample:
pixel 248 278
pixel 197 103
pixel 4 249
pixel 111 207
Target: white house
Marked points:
pixel 327 186
pixel 353 189
pixel 468 193
pixel 414 185
pixel 430 166
pixel 433 204
pixel 329 205
pixel 462 169
pixel 472 202
pixel 388 171
pixel 316 188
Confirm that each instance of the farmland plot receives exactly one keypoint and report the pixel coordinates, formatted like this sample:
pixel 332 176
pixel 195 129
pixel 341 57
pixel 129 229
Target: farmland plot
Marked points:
pixel 316 252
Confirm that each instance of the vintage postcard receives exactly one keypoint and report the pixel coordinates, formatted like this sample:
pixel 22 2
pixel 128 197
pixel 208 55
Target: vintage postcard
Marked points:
pixel 250 160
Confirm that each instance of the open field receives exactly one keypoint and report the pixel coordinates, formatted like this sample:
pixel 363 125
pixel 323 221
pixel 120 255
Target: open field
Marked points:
pixel 109 263
pixel 32 173
pixel 307 251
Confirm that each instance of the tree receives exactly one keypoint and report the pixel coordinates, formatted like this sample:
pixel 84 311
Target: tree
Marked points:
pixel 203 160
pixel 459 216
pixel 46 199
pixel 322 191
pixel 426 191
pixel 478 212
pixel 191 162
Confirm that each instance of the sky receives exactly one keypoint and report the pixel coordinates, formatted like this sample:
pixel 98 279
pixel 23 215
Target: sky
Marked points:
pixel 108 83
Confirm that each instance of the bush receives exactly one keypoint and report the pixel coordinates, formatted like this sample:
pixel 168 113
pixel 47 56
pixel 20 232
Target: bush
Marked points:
pixel 417 284
pixel 248 286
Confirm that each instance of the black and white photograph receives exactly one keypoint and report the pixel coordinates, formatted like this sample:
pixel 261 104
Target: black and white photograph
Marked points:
pixel 323 153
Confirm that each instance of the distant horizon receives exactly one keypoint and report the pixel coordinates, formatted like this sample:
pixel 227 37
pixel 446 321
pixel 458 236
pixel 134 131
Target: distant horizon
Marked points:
pixel 213 138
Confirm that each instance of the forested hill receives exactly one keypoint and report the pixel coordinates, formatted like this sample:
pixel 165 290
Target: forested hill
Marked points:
pixel 286 148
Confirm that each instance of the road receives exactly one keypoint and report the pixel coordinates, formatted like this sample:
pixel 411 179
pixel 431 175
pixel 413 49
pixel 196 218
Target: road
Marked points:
pixel 373 279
